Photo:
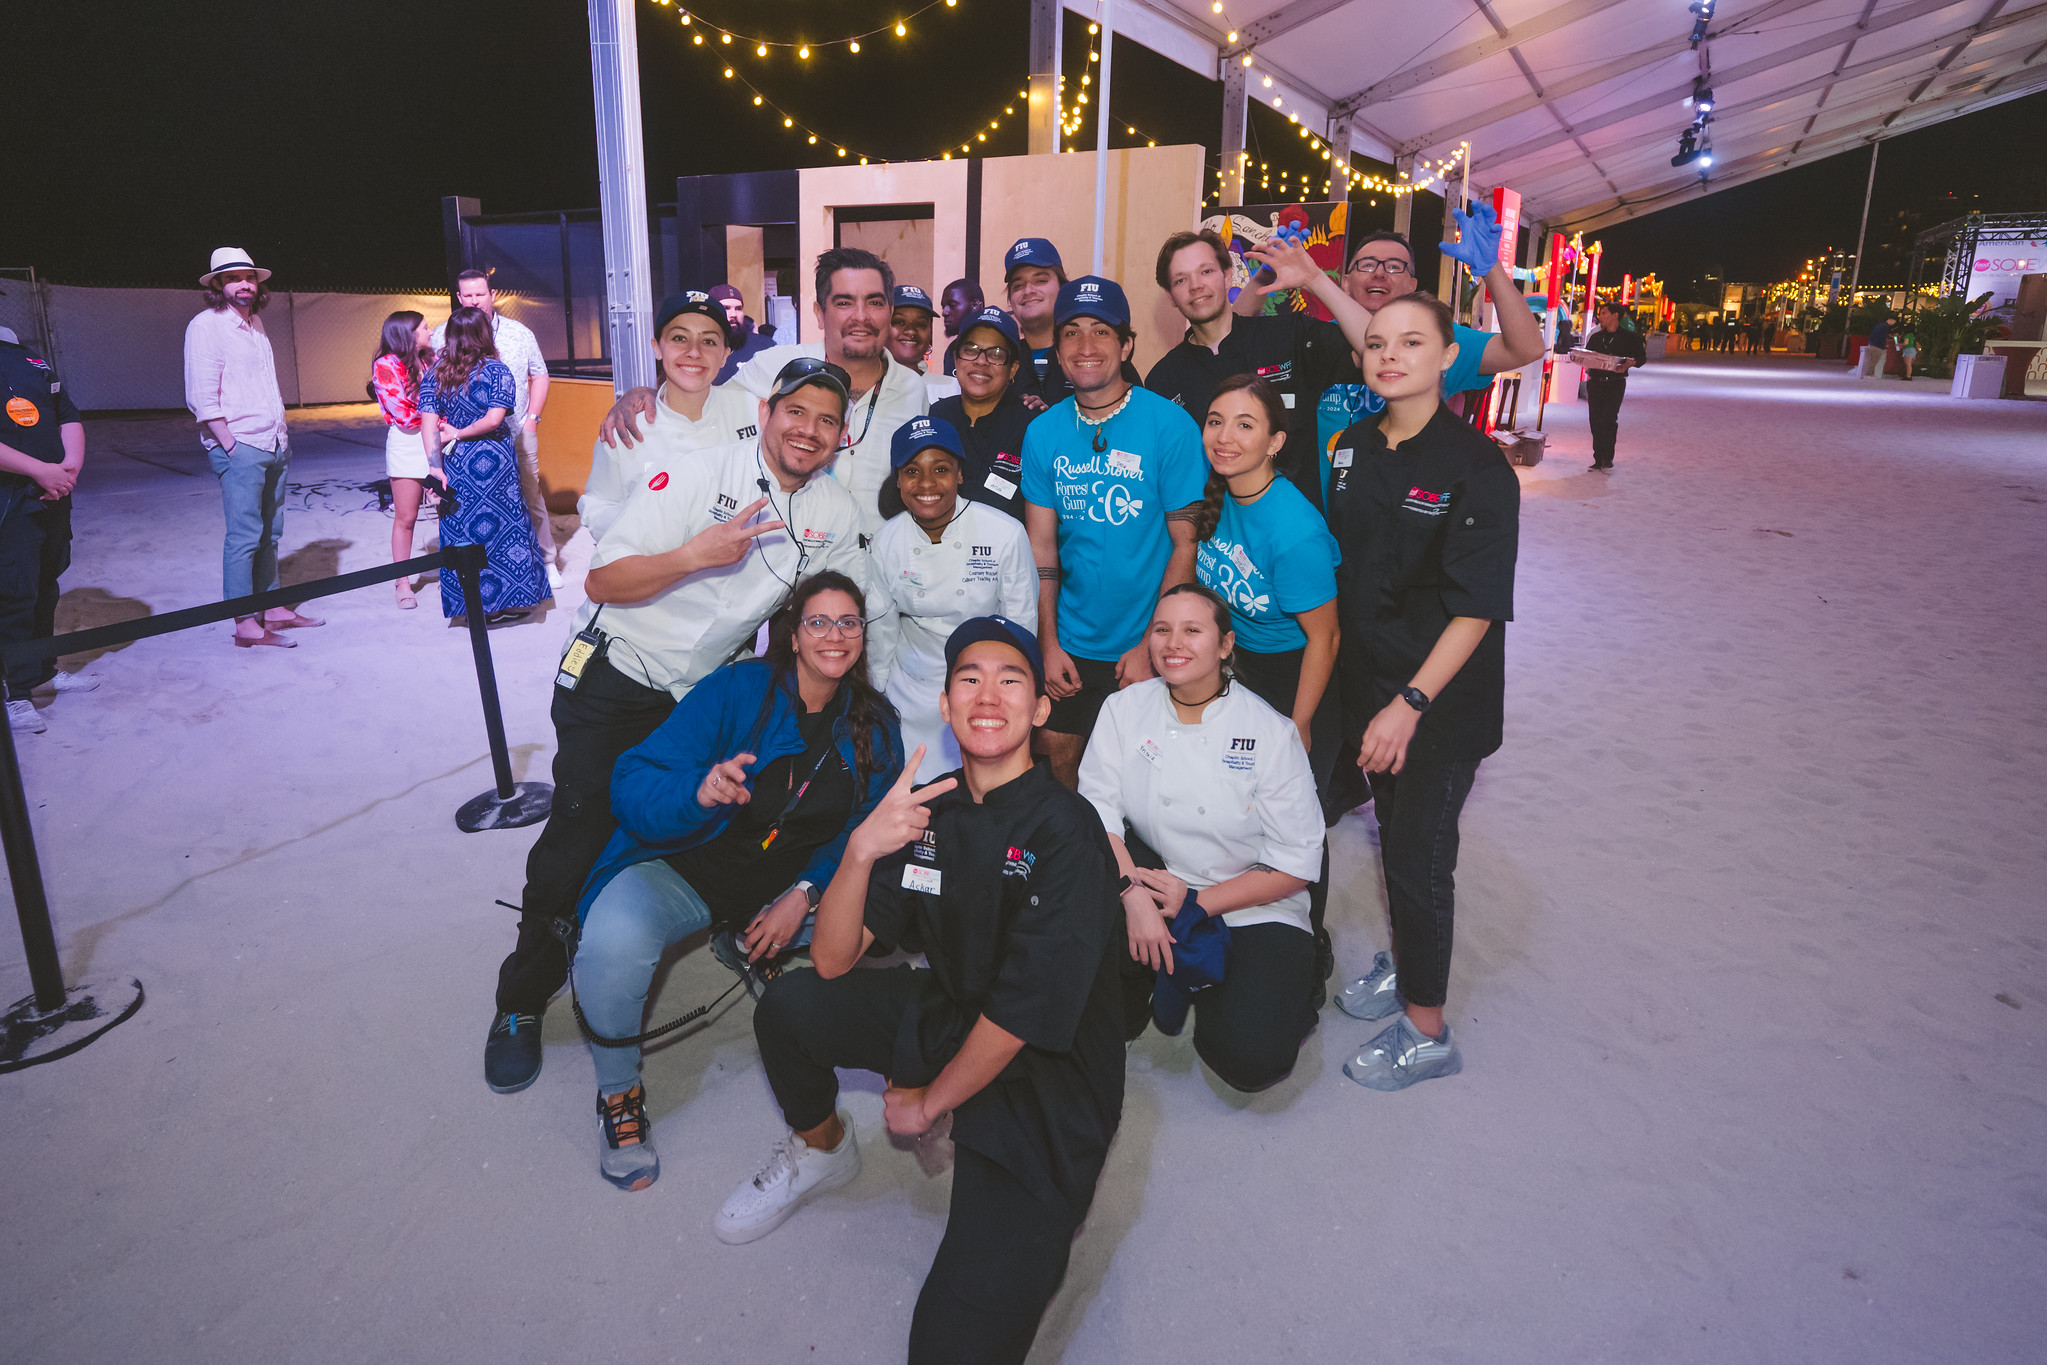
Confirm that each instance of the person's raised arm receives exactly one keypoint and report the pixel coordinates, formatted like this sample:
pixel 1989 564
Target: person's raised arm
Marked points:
pixel 635 578
pixel 1294 268
pixel 839 934
pixel 1519 339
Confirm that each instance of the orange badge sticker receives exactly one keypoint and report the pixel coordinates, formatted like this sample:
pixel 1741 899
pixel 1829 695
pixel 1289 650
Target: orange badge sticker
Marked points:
pixel 24 413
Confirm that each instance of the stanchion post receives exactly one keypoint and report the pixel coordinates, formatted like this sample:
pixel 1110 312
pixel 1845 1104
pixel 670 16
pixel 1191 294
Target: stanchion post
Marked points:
pixel 511 804
pixel 31 902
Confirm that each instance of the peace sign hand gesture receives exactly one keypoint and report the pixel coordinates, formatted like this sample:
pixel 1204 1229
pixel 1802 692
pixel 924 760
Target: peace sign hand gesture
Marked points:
pixel 900 817
pixel 727 542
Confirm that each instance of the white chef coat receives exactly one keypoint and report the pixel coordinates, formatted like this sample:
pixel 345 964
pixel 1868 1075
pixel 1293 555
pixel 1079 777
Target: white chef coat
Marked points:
pixel 729 415
pixel 674 639
pixel 981 566
pixel 1211 799
pixel 871 419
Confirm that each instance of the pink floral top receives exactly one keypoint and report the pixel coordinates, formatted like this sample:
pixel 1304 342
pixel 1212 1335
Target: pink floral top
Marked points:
pixel 398 399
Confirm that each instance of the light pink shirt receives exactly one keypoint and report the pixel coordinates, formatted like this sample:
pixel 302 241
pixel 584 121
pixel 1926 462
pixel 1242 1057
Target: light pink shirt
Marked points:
pixel 231 374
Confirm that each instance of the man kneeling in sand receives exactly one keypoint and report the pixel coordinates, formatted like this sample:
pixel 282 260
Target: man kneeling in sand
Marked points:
pixel 1006 881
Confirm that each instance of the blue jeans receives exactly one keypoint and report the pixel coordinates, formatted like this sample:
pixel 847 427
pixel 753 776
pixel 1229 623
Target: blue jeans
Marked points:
pixel 638 916
pixel 252 495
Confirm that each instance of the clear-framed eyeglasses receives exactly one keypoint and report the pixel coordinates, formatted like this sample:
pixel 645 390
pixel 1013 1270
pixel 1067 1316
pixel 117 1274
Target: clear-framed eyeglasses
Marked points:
pixel 817 627
pixel 995 354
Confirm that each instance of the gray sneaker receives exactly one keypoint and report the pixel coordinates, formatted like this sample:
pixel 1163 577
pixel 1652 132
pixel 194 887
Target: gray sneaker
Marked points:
pixel 627 1159
pixel 1375 995
pixel 1401 1055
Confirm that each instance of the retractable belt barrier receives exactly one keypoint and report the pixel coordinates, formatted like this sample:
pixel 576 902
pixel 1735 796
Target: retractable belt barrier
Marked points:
pixel 54 1022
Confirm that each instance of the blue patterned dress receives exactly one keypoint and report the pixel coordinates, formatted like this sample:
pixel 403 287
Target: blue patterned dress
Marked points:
pixel 484 473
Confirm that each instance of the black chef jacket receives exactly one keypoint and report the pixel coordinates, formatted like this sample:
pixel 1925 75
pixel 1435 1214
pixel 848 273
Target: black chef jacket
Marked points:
pixel 1428 531
pixel 27 377
pixel 1625 342
pixel 1297 354
pixel 1026 929
pixel 1052 385
pixel 994 446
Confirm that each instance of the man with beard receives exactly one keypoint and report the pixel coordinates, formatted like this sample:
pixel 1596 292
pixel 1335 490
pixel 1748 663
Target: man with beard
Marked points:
pixel 751 342
pixel 705 548
pixel 1111 480
pixel 853 308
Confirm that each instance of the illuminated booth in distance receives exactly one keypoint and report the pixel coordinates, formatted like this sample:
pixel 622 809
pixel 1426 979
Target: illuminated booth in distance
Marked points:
pixel 932 221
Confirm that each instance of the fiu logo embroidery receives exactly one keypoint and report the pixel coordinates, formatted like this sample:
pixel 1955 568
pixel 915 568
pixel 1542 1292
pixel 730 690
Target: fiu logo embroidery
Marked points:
pixel 925 850
pixel 1019 862
pixel 984 551
pixel 1243 746
pixel 748 432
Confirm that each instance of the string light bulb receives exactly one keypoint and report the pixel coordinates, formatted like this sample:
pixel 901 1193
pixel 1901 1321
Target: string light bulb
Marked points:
pixel 725 37
pixel 1231 37
pixel 803 51
pixel 855 45
pixel 1247 62
pixel 901 31
pixel 761 51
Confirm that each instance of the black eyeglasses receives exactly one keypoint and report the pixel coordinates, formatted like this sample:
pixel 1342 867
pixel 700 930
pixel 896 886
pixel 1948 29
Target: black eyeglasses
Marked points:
pixel 817 627
pixel 1365 265
pixel 996 354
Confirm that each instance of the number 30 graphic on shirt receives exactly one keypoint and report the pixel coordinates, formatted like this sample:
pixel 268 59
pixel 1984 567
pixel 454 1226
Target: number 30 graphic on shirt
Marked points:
pixel 1117 506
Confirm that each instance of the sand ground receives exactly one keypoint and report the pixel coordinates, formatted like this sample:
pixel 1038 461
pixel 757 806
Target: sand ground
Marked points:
pixel 1749 970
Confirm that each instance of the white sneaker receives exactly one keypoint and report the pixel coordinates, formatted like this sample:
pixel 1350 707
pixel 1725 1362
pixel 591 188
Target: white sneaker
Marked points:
pixel 794 1172
pixel 71 682
pixel 554 577
pixel 23 716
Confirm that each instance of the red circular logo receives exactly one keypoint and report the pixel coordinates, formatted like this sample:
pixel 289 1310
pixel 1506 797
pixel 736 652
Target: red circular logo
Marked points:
pixel 659 481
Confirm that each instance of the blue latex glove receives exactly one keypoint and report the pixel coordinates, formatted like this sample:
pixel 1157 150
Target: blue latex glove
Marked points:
pixel 1478 244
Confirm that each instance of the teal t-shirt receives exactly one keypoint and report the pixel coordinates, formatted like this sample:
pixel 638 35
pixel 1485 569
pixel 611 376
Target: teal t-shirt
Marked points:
pixel 1112 505
pixel 1270 561
pixel 1343 404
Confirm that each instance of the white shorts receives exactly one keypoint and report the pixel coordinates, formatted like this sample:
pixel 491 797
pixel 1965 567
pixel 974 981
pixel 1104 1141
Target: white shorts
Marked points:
pixel 404 454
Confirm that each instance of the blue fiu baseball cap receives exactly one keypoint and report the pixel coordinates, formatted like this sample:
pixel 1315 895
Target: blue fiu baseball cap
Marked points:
pixel 1002 631
pixel 910 296
pixel 1031 251
pixel 1091 296
pixel 923 433
pixel 1002 322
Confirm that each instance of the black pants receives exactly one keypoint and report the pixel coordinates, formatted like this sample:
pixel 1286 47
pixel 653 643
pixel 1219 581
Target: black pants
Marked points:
pixel 1248 1029
pixel 35 550
pixel 1417 813
pixel 593 725
pixel 1276 678
pixel 1603 414
pixel 1005 1249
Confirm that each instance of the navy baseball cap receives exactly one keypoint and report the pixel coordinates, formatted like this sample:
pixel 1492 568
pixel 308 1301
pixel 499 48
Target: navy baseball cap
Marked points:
pixel 923 433
pixel 1002 631
pixel 1031 251
pixel 1091 296
pixel 693 301
pixel 1002 322
pixel 910 296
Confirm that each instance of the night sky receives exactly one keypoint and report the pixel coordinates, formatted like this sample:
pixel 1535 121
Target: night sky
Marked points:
pixel 322 137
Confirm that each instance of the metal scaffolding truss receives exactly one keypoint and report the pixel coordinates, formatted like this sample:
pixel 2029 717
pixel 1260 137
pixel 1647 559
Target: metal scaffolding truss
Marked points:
pixel 1957 242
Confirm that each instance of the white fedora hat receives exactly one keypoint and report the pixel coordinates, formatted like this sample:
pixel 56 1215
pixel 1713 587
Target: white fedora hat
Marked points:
pixel 227 258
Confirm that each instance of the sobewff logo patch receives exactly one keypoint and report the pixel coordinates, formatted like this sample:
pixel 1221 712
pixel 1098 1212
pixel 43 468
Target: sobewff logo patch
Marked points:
pixel 1423 501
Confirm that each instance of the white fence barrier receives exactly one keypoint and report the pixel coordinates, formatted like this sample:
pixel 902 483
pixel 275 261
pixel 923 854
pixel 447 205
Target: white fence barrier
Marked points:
pixel 125 348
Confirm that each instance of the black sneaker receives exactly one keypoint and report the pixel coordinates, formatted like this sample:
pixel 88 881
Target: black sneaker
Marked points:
pixel 511 1054
pixel 1325 954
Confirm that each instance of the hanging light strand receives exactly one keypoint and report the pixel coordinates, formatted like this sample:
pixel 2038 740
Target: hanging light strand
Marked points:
pixel 709 32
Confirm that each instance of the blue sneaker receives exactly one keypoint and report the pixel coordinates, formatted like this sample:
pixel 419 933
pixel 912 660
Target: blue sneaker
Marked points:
pixel 1401 1055
pixel 1375 995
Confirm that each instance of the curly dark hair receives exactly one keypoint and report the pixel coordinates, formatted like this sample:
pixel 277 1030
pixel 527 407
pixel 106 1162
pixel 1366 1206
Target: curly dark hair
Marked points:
pixel 868 712
pixel 466 344
pixel 216 297
pixel 1210 510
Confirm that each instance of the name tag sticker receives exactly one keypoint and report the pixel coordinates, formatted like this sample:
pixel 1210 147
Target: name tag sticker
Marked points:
pixel 1341 459
pixel 1124 463
pixel 1150 750
pixel 1241 560
pixel 923 879
pixel 1287 398
pixel 1000 487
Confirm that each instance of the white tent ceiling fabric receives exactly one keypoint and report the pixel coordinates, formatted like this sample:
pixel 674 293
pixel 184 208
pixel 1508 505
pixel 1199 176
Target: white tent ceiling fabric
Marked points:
pixel 1577 104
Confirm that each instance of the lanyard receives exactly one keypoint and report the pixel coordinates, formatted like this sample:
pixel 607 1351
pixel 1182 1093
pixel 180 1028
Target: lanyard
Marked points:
pixel 873 397
pixel 829 750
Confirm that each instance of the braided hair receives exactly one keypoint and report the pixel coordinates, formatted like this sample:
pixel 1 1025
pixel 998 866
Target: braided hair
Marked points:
pixel 1209 513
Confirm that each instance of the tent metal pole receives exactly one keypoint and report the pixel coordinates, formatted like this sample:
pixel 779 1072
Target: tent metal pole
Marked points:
pixel 1102 121
pixel 1862 233
pixel 1047 16
pixel 622 191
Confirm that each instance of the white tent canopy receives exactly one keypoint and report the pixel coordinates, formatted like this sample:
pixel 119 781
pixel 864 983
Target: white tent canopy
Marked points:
pixel 1578 104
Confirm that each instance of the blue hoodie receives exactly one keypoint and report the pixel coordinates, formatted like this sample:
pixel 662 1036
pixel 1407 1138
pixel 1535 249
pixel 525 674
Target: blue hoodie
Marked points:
pixel 654 786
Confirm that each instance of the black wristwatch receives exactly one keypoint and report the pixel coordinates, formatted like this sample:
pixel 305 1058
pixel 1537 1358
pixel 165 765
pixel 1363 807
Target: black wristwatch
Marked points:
pixel 1123 885
pixel 1415 697
pixel 813 893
